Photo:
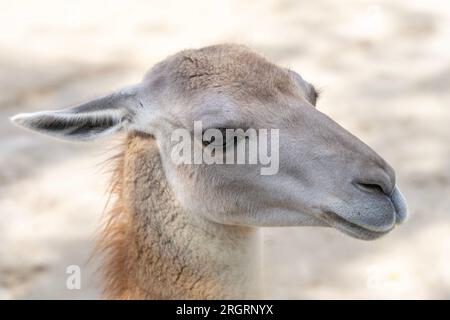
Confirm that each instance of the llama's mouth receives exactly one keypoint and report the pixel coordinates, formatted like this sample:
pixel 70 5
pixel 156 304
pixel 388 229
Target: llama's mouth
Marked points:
pixel 356 231
pixel 368 230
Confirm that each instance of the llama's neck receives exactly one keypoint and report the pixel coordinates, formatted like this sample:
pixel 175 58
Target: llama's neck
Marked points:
pixel 155 249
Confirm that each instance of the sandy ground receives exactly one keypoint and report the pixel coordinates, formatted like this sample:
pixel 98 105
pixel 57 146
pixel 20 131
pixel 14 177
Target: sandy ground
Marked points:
pixel 383 67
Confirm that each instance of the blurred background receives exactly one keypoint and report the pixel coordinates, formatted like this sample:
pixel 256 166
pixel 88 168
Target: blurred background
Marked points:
pixel 384 71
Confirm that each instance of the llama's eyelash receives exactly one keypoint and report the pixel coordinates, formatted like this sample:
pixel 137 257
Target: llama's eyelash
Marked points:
pixel 224 139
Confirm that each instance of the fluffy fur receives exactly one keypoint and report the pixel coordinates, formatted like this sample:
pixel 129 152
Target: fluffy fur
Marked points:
pixel 153 249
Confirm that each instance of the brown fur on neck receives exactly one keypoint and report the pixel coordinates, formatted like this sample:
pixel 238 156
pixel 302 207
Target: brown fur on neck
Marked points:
pixel 153 250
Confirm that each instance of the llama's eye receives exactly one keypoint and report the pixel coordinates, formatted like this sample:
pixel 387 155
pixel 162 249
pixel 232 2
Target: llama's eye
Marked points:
pixel 216 138
pixel 215 142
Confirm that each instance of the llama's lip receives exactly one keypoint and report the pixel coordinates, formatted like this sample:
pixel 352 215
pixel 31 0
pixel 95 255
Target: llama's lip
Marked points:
pixel 356 231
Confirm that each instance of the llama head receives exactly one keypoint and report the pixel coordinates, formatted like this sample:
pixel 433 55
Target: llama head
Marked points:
pixel 323 175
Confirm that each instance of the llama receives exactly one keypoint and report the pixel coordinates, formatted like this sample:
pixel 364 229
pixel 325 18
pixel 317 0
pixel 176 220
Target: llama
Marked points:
pixel 192 231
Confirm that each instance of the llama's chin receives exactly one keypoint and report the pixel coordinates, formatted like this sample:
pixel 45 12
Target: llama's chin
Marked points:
pixel 351 229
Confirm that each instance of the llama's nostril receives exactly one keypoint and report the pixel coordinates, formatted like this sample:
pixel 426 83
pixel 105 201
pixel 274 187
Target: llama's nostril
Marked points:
pixel 371 187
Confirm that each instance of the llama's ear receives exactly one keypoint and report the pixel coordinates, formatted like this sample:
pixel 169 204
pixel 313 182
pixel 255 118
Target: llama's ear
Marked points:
pixel 94 119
